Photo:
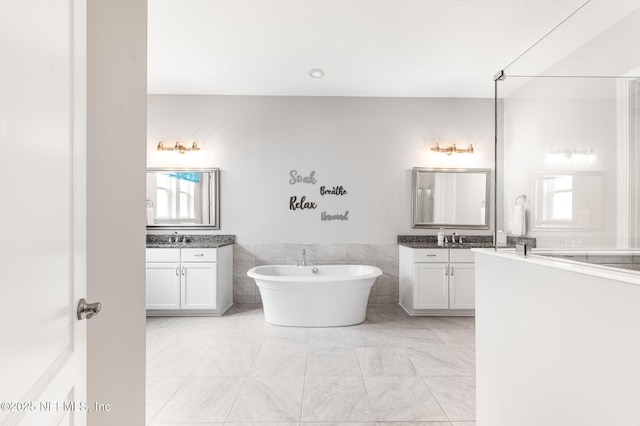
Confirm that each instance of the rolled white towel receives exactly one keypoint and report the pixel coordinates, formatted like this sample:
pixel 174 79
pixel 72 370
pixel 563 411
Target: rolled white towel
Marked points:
pixel 150 218
pixel 518 226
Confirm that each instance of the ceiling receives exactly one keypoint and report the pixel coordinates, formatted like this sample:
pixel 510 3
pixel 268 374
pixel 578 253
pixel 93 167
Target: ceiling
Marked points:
pixel 387 48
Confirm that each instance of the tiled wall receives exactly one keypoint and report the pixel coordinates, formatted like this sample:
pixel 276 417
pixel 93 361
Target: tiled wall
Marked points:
pixel 384 256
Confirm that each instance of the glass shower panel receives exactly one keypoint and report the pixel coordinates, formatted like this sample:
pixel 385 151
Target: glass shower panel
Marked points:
pixel 570 145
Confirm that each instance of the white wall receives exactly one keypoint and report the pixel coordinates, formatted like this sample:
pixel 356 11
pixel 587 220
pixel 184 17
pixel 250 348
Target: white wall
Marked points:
pixel 366 145
pixel 116 114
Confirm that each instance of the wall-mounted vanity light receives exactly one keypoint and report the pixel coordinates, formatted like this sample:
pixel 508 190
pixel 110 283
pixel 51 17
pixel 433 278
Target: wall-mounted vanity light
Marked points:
pixel 453 149
pixel 573 153
pixel 178 147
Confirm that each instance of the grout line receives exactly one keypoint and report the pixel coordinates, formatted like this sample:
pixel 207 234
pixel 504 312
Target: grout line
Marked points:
pixel 184 380
pixel 304 376
pixel 435 398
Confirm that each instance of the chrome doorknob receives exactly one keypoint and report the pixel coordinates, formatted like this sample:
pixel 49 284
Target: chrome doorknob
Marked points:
pixel 88 310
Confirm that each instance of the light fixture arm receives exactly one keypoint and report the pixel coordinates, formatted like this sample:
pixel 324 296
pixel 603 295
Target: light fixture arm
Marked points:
pixel 453 149
pixel 178 147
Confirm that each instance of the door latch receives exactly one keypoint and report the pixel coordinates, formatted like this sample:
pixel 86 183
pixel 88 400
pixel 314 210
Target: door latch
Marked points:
pixel 88 310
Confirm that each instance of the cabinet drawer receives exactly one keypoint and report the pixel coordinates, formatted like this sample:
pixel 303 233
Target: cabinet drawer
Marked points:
pixel 461 255
pixel 163 255
pixel 431 255
pixel 199 254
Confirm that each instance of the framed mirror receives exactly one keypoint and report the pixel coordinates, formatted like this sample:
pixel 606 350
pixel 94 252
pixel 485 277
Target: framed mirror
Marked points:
pixel 568 200
pixel 450 198
pixel 183 198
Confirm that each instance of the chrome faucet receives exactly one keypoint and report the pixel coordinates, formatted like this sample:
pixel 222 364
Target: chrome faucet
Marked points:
pixel 177 238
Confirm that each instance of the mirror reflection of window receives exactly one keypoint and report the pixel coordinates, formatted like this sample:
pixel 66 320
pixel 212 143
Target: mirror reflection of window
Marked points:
pixel 568 200
pixel 163 191
pixel 183 198
pixel 558 196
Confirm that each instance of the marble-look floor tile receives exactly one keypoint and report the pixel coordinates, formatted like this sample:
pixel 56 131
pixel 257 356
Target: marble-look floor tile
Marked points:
pixel 201 400
pixel 417 337
pixel 268 399
pixel 159 339
pixel 243 336
pixel 287 337
pixel 197 337
pixel 453 322
pixel 438 360
pixel 456 396
pixel 227 361
pixel 375 337
pixel 260 424
pixel 389 362
pixel 466 353
pixel 334 337
pixel 335 362
pixel 336 399
pixel 402 399
pixel 158 391
pixel 413 424
pixel 175 362
pixel 280 361
pixel 340 424
pixel 463 424
pixel 457 336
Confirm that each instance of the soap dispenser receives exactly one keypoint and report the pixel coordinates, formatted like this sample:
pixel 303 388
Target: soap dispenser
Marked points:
pixel 441 237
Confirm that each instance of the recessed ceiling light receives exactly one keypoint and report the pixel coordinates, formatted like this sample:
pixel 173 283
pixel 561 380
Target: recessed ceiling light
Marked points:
pixel 316 73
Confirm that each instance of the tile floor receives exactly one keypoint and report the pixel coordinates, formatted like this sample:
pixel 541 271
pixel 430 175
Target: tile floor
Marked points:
pixel 392 370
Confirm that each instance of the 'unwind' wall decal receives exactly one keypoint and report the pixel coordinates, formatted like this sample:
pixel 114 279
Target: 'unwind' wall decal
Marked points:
pixel 299 203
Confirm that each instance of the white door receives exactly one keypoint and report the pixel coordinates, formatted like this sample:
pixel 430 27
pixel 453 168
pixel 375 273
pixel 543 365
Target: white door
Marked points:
pixel 42 212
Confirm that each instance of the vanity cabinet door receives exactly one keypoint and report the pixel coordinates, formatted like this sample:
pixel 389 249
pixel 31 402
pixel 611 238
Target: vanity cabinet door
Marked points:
pixel 163 285
pixel 431 286
pixel 199 285
pixel 462 286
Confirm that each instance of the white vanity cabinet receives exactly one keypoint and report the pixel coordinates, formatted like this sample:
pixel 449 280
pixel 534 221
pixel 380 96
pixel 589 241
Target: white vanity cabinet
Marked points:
pixel 189 281
pixel 437 281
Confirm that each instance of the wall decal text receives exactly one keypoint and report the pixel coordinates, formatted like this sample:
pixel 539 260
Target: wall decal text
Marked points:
pixel 303 204
pixel 325 216
pixel 336 190
pixel 296 178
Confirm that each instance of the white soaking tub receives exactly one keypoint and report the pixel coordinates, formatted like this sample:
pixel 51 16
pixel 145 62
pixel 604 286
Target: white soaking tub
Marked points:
pixel 315 296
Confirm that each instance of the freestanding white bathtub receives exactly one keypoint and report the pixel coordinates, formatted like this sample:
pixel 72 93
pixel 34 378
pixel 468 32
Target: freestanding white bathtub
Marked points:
pixel 315 296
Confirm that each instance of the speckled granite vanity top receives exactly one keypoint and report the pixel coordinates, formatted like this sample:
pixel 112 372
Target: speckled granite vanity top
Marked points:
pixel 192 241
pixel 469 241
pixel 431 241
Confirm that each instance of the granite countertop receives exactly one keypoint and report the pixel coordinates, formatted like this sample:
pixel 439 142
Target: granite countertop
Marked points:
pixel 469 241
pixel 192 241
pixel 431 241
